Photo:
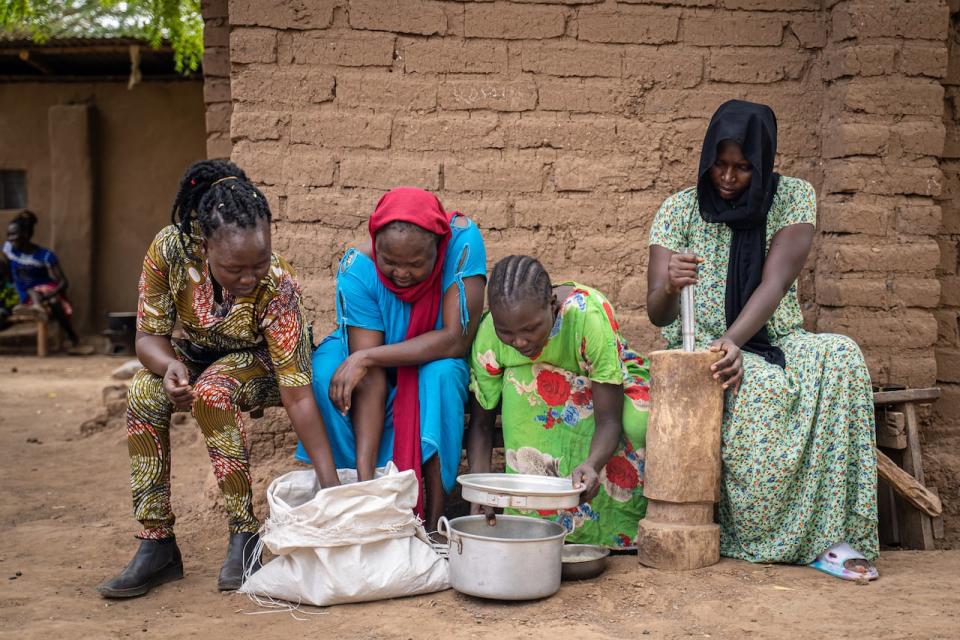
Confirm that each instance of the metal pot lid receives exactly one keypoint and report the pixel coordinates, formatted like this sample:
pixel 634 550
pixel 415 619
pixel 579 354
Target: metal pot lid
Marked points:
pixel 516 484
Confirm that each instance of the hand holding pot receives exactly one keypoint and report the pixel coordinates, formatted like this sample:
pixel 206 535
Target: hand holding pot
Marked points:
pixel 478 509
pixel 586 478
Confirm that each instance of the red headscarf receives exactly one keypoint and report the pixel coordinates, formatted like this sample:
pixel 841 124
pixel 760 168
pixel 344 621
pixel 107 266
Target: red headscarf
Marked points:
pixel 419 207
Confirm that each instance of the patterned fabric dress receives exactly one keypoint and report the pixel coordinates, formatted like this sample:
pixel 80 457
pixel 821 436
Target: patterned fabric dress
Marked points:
pixel 239 352
pixel 547 411
pixel 799 468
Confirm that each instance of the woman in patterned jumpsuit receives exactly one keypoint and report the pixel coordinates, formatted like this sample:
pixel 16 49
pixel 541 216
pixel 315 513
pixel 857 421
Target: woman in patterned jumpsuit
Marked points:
pixel 245 346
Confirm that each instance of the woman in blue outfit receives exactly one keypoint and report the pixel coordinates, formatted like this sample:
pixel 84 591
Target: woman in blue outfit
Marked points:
pixel 391 381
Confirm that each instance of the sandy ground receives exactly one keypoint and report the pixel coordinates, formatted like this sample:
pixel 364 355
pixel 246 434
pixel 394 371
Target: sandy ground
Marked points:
pixel 65 525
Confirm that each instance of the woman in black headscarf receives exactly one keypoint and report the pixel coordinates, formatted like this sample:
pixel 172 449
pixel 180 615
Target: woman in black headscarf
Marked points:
pixel 799 468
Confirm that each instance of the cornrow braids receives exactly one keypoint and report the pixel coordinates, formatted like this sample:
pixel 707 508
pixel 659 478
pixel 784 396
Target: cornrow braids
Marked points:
pixel 517 278
pixel 214 193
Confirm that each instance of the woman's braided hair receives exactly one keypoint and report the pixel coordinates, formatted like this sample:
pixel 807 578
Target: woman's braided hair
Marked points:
pixel 214 193
pixel 517 278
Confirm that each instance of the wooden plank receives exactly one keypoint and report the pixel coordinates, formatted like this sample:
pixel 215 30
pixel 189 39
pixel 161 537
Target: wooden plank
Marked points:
pixel 893 421
pixel 912 457
pixel 908 486
pixel 938 533
pixel 916 527
pixel 887 441
pixel 891 429
pixel 42 338
pixel 906 395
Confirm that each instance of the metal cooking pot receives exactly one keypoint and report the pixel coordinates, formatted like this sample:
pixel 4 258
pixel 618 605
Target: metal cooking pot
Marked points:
pixel 516 559
pixel 122 331
pixel 583 561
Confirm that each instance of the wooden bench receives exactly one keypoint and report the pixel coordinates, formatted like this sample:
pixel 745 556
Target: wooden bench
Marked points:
pixel 904 507
pixel 26 316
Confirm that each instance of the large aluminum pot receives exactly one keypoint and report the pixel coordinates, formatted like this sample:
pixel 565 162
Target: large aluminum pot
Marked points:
pixel 519 558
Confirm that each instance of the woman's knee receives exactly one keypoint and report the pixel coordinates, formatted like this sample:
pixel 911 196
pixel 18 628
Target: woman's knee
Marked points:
pixel 325 361
pixel 145 393
pixel 844 348
pixel 215 391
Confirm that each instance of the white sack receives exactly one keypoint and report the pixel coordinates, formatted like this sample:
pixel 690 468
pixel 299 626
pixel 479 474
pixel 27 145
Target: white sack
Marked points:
pixel 353 543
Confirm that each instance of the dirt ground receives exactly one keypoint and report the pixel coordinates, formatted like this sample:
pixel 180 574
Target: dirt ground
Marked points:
pixel 65 524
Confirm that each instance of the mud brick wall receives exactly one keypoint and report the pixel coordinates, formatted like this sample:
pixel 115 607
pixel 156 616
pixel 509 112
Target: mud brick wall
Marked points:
pixel 942 438
pixel 560 126
pixel 883 134
pixel 884 262
pixel 216 76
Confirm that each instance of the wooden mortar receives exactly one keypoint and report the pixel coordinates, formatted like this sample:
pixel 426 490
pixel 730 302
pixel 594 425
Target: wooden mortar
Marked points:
pixel 682 468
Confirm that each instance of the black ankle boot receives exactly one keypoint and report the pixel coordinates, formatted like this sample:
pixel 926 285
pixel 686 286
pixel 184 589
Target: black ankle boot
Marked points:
pixel 154 563
pixel 240 554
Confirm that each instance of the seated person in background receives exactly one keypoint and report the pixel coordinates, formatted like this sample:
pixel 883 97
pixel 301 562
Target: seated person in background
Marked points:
pixel 799 480
pixel 36 273
pixel 9 298
pixel 573 398
pixel 391 381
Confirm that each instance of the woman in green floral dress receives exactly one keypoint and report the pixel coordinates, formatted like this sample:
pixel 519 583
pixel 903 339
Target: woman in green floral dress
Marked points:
pixel 573 398
pixel 799 468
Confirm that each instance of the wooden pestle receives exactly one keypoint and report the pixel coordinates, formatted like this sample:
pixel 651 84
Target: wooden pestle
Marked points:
pixel 682 467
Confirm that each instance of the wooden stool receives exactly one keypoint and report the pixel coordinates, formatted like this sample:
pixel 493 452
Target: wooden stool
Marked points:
pixel 902 523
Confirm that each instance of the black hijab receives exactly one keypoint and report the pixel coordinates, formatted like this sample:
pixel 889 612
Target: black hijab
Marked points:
pixel 753 127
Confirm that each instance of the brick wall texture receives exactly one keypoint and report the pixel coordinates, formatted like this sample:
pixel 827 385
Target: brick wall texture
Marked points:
pixel 941 458
pixel 216 77
pixel 560 126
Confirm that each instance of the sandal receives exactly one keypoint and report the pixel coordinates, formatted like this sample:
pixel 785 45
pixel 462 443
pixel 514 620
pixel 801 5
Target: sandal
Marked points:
pixel 834 560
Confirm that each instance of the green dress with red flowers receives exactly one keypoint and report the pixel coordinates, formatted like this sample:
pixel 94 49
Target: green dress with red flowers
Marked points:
pixel 547 411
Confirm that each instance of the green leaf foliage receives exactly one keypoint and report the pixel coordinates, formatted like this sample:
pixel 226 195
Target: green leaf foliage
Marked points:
pixel 177 22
